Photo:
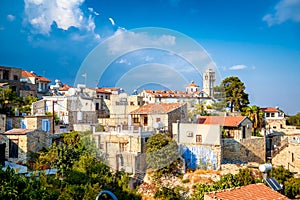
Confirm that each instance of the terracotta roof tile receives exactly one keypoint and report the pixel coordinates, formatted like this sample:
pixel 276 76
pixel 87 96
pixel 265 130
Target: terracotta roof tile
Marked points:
pixel 65 87
pixel 269 109
pixel 29 74
pixel 249 192
pixel 232 121
pixel 161 108
pixel 105 90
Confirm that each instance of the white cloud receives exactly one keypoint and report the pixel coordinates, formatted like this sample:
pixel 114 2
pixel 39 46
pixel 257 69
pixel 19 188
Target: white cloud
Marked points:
pixel 125 41
pixel 283 11
pixel 238 67
pixel 124 61
pixel 112 21
pixel 41 14
pixel 11 18
pixel 92 11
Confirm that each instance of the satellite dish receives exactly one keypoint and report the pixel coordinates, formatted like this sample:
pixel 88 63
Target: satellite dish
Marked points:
pixel 71 91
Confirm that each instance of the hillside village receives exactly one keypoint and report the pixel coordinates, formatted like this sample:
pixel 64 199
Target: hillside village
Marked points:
pixel 211 140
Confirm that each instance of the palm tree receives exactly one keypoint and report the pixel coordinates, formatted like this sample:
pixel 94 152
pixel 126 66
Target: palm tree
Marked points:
pixel 256 115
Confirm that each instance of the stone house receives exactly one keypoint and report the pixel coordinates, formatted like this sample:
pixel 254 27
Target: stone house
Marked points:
pixel 11 76
pixel 237 127
pixel 76 109
pixel 119 107
pixel 159 115
pixel 34 81
pixel 200 144
pixel 284 150
pixel 123 147
pixel 40 122
pixel 237 143
pixel 274 118
pixel 21 142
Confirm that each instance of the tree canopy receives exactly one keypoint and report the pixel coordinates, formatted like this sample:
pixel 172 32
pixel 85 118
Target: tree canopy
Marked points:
pixel 235 94
pixel 80 175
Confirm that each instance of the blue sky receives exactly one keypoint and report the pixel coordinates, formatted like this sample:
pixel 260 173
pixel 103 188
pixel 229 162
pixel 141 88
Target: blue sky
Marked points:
pixel 258 41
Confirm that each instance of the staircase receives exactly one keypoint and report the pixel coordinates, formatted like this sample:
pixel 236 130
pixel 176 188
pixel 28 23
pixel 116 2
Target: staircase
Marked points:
pixel 284 143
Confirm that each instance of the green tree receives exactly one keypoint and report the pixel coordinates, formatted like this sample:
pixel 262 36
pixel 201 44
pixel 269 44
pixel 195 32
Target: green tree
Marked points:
pixel 162 153
pixel 235 94
pixel 294 120
pixel 8 101
pixel 25 106
pixel 281 174
pixel 292 188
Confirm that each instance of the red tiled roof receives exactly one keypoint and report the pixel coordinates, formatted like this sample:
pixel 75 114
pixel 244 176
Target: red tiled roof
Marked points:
pixel 29 74
pixel 161 108
pixel 65 87
pixel 171 94
pixel 269 109
pixel 17 131
pixel 249 192
pixel 105 90
pixel 232 121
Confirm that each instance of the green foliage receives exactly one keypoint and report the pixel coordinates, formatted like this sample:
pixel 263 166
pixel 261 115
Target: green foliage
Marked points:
pixel 243 178
pixel 199 109
pixel 9 102
pixel 292 188
pixel 80 175
pixel 169 193
pixel 185 181
pixel 162 154
pixel 256 115
pixel 56 117
pixel 291 185
pixel 294 120
pixel 281 174
pixel 235 94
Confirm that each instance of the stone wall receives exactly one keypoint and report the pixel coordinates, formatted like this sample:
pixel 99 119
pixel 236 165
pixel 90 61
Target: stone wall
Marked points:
pixel 31 142
pixel 2 123
pixel 243 151
pixel 289 157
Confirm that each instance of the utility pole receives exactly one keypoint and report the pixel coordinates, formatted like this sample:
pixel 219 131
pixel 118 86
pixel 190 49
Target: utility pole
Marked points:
pixel 53 117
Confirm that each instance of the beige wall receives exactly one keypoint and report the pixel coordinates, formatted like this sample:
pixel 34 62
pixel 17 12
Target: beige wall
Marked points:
pixel 211 134
pixel 289 157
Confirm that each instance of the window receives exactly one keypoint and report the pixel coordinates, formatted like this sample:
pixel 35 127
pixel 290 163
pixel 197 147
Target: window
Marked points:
pixel 244 132
pixel 13 148
pixel 22 123
pixel 16 77
pixel 131 103
pixel 46 125
pixel 293 159
pixel 199 138
pixel 267 114
pixel 101 146
pixel 8 124
pixel 122 147
pixel 189 134
pixel 97 106
pixel 136 119
pixel 158 119
pixel 272 114
pixel 5 74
